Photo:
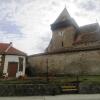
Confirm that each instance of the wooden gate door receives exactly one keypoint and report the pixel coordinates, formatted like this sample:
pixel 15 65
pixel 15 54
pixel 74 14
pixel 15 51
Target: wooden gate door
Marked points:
pixel 12 69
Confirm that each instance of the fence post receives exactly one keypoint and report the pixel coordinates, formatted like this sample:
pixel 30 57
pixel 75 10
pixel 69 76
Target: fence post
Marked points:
pixel 47 71
pixel 77 81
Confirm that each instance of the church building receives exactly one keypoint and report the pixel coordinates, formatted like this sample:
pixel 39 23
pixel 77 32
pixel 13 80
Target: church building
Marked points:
pixel 72 49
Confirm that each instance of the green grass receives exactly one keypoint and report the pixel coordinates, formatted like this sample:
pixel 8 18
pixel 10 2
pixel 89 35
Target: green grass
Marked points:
pixel 91 79
pixel 82 79
pixel 54 80
pixel 61 80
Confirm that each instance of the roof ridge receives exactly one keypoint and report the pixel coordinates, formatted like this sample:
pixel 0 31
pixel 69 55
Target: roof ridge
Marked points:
pixel 10 45
pixel 89 24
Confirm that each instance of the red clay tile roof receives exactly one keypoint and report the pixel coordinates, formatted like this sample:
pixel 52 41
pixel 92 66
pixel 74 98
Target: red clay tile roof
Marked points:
pixel 88 33
pixel 87 37
pixel 89 28
pixel 11 50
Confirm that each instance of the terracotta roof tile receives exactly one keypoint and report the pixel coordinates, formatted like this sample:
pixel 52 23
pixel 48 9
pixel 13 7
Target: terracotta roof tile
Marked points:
pixel 11 50
pixel 89 28
pixel 88 33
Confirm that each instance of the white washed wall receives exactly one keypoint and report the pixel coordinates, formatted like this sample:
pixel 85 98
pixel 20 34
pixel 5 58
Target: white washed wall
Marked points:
pixel 14 58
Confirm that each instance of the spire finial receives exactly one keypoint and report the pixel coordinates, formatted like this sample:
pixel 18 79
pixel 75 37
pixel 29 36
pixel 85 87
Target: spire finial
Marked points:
pixel 65 6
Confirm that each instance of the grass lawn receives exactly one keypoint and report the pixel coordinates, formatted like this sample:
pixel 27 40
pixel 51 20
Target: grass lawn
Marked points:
pixel 54 80
pixel 92 79
pixel 85 78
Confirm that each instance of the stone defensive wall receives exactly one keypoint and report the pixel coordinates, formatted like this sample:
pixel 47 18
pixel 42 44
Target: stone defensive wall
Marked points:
pixel 77 61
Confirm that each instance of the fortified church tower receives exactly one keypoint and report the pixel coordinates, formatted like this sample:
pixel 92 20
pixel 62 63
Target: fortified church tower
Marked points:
pixel 63 32
pixel 72 49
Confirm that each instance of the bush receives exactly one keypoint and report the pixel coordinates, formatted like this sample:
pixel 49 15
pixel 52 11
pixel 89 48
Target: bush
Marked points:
pixel 22 77
pixel 30 71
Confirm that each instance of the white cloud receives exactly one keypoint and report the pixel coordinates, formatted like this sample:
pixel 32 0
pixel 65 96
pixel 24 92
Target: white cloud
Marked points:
pixel 33 17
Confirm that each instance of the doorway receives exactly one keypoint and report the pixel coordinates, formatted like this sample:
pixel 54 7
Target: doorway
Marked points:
pixel 12 69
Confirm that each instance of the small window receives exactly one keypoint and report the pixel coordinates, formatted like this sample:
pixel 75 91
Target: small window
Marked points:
pixel 62 44
pixel 20 64
pixel 61 33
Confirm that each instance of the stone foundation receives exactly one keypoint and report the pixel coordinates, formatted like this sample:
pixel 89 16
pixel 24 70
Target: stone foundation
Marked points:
pixel 89 88
pixel 28 89
pixel 43 89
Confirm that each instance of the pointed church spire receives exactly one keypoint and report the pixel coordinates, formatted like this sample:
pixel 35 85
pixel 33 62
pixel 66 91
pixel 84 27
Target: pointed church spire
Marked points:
pixel 63 16
pixel 63 20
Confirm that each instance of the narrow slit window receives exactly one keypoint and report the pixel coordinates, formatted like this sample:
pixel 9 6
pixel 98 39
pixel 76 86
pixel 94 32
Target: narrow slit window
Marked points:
pixel 20 64
pixel 62 44
pixel 61 33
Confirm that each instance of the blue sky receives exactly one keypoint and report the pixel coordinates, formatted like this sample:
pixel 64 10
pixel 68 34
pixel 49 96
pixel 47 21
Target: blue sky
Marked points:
pixel 26 23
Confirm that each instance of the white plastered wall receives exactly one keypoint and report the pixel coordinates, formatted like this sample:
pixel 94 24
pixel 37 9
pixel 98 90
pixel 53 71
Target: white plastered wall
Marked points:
pixel 14 58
